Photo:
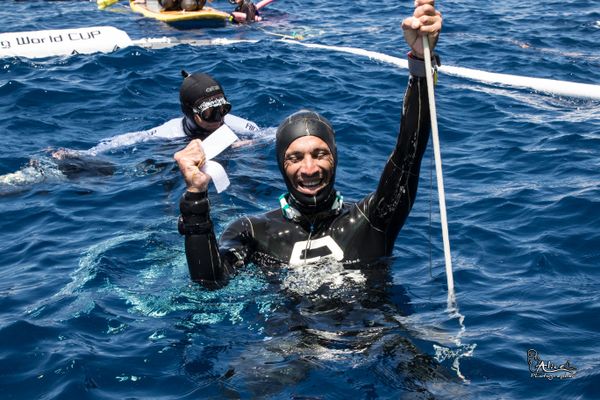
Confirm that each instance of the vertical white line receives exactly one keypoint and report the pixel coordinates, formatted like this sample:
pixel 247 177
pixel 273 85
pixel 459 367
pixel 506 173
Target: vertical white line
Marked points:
pixel 438 170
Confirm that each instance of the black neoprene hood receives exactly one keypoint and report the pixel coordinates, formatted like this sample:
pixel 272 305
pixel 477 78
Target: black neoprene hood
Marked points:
pixel 297 125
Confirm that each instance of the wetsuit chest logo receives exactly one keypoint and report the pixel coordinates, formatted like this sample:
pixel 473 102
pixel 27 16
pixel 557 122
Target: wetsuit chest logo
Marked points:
pixel 313 250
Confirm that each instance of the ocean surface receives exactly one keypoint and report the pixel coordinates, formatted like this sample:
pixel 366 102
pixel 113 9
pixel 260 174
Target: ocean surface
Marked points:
pixel 95 299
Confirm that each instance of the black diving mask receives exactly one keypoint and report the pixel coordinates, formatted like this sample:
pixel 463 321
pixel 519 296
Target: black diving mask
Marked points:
pixel 213 110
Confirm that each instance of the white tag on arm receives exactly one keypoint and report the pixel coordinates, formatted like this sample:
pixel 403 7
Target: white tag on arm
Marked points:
pixel 214 145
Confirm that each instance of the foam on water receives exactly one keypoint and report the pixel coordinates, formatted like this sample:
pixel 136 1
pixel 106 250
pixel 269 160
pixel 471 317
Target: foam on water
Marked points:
pixel 305 279
pixel 37 171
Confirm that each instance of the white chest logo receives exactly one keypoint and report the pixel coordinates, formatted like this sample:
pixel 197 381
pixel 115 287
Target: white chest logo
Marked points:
pixel 313 250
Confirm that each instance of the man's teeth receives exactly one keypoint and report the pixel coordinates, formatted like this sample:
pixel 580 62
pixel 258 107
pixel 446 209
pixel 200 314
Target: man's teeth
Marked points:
pixel 311 183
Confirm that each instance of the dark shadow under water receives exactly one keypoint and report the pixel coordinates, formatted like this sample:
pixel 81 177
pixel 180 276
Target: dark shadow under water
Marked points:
pixel 332 325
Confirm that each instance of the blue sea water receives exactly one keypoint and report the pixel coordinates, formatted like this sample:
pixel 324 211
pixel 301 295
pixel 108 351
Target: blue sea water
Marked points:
pixel 95 299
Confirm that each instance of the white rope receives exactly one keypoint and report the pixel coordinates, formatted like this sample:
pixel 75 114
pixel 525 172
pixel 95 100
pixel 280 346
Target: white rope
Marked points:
pixel 438 170
pixel 560 88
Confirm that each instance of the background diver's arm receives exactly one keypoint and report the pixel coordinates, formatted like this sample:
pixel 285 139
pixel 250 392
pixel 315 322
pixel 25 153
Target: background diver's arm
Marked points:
pixel 171 129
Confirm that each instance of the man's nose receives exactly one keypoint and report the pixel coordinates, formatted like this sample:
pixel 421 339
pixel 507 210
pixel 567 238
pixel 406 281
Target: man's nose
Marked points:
pixel 309 166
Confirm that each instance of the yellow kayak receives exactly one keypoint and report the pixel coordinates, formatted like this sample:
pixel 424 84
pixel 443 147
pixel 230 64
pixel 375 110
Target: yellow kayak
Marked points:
pixel 207 17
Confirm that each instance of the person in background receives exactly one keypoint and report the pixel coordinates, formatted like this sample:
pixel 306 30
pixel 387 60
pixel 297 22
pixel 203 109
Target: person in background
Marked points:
pixel 204 105
pixel 165 5
pixel 313 223
pixel 186 5
pixel 246 7
pixel 205 109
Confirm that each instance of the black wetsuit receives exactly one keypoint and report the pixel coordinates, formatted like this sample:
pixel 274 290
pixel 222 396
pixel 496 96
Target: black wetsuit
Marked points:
pixel 357 234
pixel 248 8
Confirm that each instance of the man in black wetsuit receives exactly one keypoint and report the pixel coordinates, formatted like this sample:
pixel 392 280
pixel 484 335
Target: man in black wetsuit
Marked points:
pixel 313 222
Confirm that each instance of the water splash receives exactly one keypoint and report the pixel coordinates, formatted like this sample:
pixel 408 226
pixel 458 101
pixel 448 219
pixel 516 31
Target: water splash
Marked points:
pixel 36 171
pixel 308 278
pixel 460 350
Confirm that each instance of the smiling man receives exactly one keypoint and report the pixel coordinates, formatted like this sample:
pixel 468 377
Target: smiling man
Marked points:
pixel 313 222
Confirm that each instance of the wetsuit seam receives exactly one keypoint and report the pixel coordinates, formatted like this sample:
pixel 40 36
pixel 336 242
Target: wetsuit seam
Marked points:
pixel 416 145
pixel 212 263
pixel 411 159
pixel 394 163
pixel 251 227
pixel 367 218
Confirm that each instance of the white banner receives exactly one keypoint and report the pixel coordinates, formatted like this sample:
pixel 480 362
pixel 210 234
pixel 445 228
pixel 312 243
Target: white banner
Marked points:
pixel 63 42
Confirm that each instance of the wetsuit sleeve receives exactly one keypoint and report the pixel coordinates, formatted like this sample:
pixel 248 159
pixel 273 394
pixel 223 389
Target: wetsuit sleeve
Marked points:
pixel 389 206
pixel 207 262
pixel 169 130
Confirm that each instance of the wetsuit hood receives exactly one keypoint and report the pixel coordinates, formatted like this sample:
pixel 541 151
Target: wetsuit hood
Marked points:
pixel 192 130
pixel 299 124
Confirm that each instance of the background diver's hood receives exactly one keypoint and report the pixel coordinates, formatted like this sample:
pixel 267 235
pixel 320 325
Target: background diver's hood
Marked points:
pixel 306 123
